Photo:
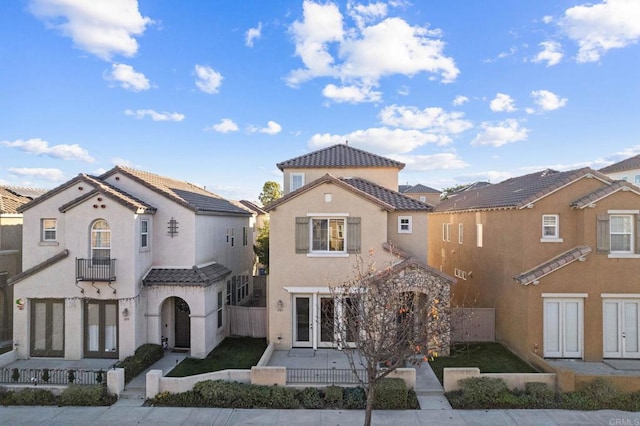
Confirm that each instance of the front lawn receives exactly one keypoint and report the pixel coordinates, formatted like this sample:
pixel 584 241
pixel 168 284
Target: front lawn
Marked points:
pixel 488 357
pixel 232 353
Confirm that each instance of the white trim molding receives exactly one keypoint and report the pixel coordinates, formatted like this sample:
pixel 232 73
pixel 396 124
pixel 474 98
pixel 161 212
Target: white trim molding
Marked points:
pixel 623 211
pixel 563 295
pixel 620 295
pixel 321 215
pixel 307 290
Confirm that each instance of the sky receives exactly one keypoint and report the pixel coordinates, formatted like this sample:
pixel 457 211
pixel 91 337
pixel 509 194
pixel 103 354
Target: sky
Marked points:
pixel 216 93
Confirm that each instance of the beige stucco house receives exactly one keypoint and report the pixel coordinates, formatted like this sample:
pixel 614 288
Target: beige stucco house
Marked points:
pixel 126 258
pixel 340 203
pixel 557 254
pixel 421 192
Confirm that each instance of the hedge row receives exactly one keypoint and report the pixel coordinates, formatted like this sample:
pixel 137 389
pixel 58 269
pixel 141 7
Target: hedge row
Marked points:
pixel 142 359
pixel 218 393
pixel 75 395
pixel 481 393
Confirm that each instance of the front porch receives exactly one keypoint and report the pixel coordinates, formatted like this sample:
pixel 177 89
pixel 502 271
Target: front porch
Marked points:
pixel 571 373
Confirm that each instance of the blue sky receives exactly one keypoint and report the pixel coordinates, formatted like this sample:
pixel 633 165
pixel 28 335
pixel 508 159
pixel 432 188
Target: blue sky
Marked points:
pixel 216 93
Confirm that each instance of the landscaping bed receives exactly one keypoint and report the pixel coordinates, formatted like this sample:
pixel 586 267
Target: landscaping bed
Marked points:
pixel 73 395
pixel 233 353
pixel 489 357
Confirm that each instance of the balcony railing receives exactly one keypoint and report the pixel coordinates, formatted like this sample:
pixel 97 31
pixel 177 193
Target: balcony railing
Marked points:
pixel 97 269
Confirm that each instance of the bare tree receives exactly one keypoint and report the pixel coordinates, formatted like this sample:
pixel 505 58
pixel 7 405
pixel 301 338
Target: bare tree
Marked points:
pixel 385 320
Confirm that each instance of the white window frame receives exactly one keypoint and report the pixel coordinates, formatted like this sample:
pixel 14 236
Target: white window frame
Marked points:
pixel 479 237
pixel 219 313
pixel 144 234
pixel 292 177
pixel 100 247
pixel 329 219
pixel 46 229
pixel 460 233
pixel 405 224
pixel 630 218
pixel 446 232
pixel 423 198
pixel 555 238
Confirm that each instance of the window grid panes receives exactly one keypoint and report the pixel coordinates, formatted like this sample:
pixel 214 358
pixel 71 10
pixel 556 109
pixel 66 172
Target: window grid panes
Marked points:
pixel 49 229
pixel 328 235
pixel 100 241
pixel 144 234
pixel 621 233
pixel 550 226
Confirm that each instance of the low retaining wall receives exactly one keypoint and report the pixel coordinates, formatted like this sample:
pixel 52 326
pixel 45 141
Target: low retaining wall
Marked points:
pixel 8 357
pixel 266 356
pixel 157 384
pixel 406 374
pixel 452 376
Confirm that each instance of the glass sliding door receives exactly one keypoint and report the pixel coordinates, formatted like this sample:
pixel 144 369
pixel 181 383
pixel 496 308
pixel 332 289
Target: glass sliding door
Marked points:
pixel 47 328
pixel 101 329
pixel 302 325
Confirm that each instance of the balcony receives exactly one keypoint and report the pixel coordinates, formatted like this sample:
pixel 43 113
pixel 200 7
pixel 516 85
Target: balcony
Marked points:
pixel 97 269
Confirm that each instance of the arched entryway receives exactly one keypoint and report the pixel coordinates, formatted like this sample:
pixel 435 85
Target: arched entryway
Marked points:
pixel 182 323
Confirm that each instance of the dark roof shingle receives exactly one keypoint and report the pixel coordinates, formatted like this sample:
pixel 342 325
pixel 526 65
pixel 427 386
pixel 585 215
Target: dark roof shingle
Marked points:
pixel 195 276
pixel 631 163
pixel 393 198
pixel 417 189
pixel 552 265
pixel 339 156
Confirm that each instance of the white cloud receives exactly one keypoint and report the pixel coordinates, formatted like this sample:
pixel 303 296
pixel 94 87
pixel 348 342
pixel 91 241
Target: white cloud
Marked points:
pixel 460 100
pixel 99 171
pixel 512 51
pixel 432 119
pixel 253 34
pixel 599 27
pixel 505 132
pixel 128 78
pixel 53 175
pixel 37 146
pixel 154 115
pixel 382 140
pixel 272 128
pixel 118 161
pixel 363 54
pixel 551 53
pixel 351 94
pixel 547 19
pixel 226 125
pixel 404 90
pixel 423 163
pixel 209 80
pixel 101 27
pixel 547 101
pixel 502 103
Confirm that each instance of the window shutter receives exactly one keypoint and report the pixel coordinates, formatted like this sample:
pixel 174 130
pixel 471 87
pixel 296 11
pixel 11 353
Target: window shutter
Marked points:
pixel 353 235
pixel 637 232
pixel 302 234
pixel 602 234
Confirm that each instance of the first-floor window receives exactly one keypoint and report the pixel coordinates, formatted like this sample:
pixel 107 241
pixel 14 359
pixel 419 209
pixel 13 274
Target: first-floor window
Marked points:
pixel 228 292
pixel 446 232
pixel 328 235
pixel 404 225
pixel 219 309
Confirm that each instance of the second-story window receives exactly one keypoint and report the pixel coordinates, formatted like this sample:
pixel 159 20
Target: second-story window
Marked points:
pixel 328 235
pixel 144 233
pixel 49 229
pixel 297 181
pixel 100 242
pixel 550 226
pixel 460 233
pixel 621 233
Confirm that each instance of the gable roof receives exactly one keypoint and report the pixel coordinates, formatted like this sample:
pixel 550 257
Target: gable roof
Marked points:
pixel 603 192
pixel 631 163
pixel 417 189
pixel 39 267
pixel 393 198
pixel 186 194
pixel 517 192
pixel 202 276
pixel 339 156
pixel 10 201
pixel 552 265
pixel 252 206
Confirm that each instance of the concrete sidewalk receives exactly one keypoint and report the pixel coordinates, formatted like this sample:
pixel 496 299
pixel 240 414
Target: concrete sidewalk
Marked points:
pixel 225 416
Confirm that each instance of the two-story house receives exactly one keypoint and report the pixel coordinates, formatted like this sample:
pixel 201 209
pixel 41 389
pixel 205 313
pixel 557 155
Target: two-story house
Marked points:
pixel 628 169
pixel 126 258
pixel 421 192
pixel 340 203
pixel 557 254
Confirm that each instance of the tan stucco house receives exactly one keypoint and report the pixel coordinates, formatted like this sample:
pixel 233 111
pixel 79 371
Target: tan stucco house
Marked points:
pixel 340 204
pixel 127 258
pixel 557 254
pixel 421 192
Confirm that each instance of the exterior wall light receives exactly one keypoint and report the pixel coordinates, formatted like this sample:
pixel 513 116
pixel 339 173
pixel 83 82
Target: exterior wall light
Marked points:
pixel 280 305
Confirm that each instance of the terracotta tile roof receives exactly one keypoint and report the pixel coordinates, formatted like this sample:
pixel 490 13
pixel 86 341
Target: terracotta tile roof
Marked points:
pixel 187 194
pixel 605 191
pixel 397 200
pixel 339 156
pixel 30 193
pixel 417 189
pixel 622 166
pixel 552 265
pixel 39 267
pixel 195 276
pixel 10 202
pixel 516 192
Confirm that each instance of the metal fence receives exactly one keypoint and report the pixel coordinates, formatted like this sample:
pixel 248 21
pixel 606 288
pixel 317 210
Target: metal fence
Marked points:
pixel 52 376
pixel 325 376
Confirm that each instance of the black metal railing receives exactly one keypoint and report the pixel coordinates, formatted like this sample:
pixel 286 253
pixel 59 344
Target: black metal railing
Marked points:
pixel 326 376
pixel 97 269
pixel 52 376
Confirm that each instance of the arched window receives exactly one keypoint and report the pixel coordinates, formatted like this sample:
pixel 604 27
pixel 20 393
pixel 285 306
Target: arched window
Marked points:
pixel 100 242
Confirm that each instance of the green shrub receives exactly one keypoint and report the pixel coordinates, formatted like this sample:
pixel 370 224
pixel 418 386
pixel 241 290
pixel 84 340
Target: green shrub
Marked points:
pixel 481 392
pixel 354 398
pixel 142 359
pixel 390 394
pixel 310 398
pixel 149 353
pixel 282 397
pixel 598 394
pixel 183 399
pixel 538 395
pixel 29 397
pixel 86 396
pixel 412 400
pixel 333 397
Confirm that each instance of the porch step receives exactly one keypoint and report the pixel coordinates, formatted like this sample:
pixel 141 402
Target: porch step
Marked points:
pixel 433 402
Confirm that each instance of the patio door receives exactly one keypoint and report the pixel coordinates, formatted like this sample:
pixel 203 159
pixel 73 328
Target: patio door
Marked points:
pixel 327 324
pixel 621 330
pixel 101 329
pixel 47 328
pixel 302 321
pixel 563 328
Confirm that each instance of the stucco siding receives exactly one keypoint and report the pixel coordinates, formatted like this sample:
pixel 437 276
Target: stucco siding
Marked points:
pixel 387 176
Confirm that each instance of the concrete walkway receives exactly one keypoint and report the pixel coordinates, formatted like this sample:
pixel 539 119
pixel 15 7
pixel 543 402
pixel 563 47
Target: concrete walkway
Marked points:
pixel 224 416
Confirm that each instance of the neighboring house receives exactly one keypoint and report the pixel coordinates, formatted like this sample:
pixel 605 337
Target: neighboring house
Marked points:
pixel 127 258
pixel 11 198
pixel 258 219
pixel 628 170
pixel 557 254
pixel 421 192
pixel 340 205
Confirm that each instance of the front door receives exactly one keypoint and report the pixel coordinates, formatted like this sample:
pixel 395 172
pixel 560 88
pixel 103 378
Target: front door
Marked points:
pixel 302 321
pixel 621 330
pixel 47 327
pixel 101 329
pixel 563 323
pixel 183 324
